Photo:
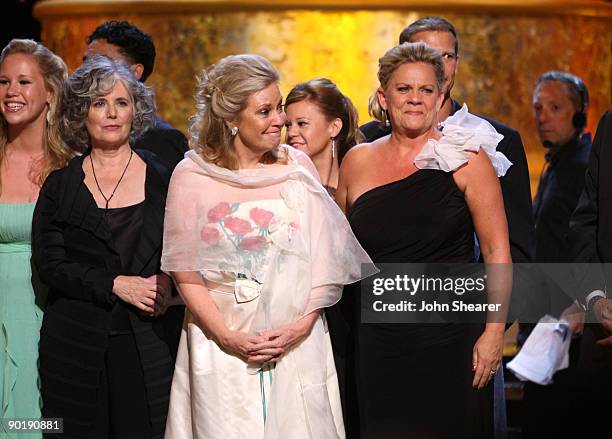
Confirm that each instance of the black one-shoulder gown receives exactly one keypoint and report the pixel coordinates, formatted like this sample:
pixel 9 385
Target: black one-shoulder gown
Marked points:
pixel 415 380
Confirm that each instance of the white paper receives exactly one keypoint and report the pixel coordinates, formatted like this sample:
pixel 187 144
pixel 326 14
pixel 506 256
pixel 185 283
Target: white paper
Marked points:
pixel 545 351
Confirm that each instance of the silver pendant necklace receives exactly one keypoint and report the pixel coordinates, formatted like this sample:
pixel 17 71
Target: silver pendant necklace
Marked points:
pixel 118 182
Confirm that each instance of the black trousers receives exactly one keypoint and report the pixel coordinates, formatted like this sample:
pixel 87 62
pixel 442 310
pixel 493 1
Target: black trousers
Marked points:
pixel 123 407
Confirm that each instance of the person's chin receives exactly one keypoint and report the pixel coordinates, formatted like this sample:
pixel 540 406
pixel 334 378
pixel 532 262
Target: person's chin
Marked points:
pixel 547 142
pixel 414 123
pixel 273 140
pixel 111 141
pixel 16 119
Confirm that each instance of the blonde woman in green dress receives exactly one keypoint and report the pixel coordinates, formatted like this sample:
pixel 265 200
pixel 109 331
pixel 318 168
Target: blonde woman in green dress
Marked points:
pixel 31 80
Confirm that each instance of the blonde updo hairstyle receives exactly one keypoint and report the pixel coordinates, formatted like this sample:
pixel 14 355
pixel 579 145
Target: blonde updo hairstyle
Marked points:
pixel 221 93
pixel 405 53
pixel 54 72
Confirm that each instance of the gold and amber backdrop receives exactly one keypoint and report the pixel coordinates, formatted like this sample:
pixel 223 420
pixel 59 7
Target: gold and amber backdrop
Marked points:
pixel 504 46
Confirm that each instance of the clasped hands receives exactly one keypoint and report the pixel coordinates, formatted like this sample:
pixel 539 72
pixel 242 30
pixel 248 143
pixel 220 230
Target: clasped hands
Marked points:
pixel 267 346
pixel 149 294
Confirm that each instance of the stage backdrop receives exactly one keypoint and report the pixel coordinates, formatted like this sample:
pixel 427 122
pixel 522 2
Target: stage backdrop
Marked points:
pixel 504 46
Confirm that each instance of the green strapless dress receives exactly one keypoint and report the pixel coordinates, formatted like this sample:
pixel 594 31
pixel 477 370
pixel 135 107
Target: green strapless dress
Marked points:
pixel 20 318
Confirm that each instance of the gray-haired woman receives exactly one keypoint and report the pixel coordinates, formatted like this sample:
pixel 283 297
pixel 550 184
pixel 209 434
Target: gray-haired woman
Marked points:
pixel 105 365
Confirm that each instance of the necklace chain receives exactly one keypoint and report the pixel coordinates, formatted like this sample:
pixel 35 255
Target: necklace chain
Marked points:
pixel 118 182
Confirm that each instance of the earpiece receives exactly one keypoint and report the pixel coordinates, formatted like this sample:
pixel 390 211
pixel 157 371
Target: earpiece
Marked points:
pixel 579 119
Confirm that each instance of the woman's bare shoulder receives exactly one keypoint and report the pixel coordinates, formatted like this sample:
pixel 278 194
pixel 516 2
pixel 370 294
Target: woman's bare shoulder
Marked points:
pixel 478 171
pixel 360 154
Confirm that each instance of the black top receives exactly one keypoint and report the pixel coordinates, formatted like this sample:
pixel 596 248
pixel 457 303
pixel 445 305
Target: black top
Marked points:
pixel 558 192
pixel 124 224
pixel 74 253
pixel 515 184
pixel 168 143
pixel 421 218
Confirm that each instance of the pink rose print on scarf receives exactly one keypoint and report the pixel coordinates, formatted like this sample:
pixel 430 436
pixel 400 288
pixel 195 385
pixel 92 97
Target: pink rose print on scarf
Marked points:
pixel 209 235
pixel 218 212
pixel 253 243
pixel 237 225
pixel 261 217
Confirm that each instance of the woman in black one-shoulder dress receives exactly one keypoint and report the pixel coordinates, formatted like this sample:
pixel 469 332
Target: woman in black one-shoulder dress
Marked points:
pixel 423 380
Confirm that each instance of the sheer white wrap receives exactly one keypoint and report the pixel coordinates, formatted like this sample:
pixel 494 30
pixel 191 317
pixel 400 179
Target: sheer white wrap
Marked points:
pixel 463 133
pixel 294 263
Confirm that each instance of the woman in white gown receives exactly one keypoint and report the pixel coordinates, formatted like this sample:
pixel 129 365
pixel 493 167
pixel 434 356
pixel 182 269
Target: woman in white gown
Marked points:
pixel 257 249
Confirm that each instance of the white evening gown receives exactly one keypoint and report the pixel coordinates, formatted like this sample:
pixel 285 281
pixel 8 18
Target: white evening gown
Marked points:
pixel 214 395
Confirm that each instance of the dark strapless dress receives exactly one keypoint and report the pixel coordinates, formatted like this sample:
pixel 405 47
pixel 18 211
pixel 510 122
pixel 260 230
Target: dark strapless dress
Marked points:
pixel 415 380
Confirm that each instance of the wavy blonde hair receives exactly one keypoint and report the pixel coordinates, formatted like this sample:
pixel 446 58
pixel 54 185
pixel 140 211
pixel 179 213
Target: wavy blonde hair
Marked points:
pixel 54 72
pixel 221 93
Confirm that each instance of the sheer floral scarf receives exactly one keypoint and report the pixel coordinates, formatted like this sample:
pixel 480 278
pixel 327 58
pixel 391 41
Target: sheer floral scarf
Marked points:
pixel 296 262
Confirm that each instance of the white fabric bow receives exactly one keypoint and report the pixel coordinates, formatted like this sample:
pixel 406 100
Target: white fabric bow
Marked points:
pixel 463 133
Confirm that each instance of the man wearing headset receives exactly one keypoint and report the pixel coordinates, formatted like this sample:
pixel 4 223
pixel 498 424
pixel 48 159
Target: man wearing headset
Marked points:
pixel 560 102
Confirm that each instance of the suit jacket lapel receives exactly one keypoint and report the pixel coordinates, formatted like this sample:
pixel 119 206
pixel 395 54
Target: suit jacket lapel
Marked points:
pixel 454 107
pixel 147 252
pixel 78 207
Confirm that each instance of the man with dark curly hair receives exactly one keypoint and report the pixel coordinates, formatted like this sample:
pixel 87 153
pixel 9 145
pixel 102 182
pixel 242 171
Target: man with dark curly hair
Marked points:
pixel 122 41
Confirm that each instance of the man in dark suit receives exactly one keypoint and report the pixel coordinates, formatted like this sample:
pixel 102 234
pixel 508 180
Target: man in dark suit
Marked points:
pixel 122 41
pixel 590 239
pixel 560 101
pixel 441 35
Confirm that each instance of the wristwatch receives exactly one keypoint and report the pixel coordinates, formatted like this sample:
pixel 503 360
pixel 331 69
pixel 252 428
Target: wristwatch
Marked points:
pixel 592 299
pixel 584 302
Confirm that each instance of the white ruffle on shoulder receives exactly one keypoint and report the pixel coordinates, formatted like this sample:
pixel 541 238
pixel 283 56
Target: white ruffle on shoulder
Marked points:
pixel 463 133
